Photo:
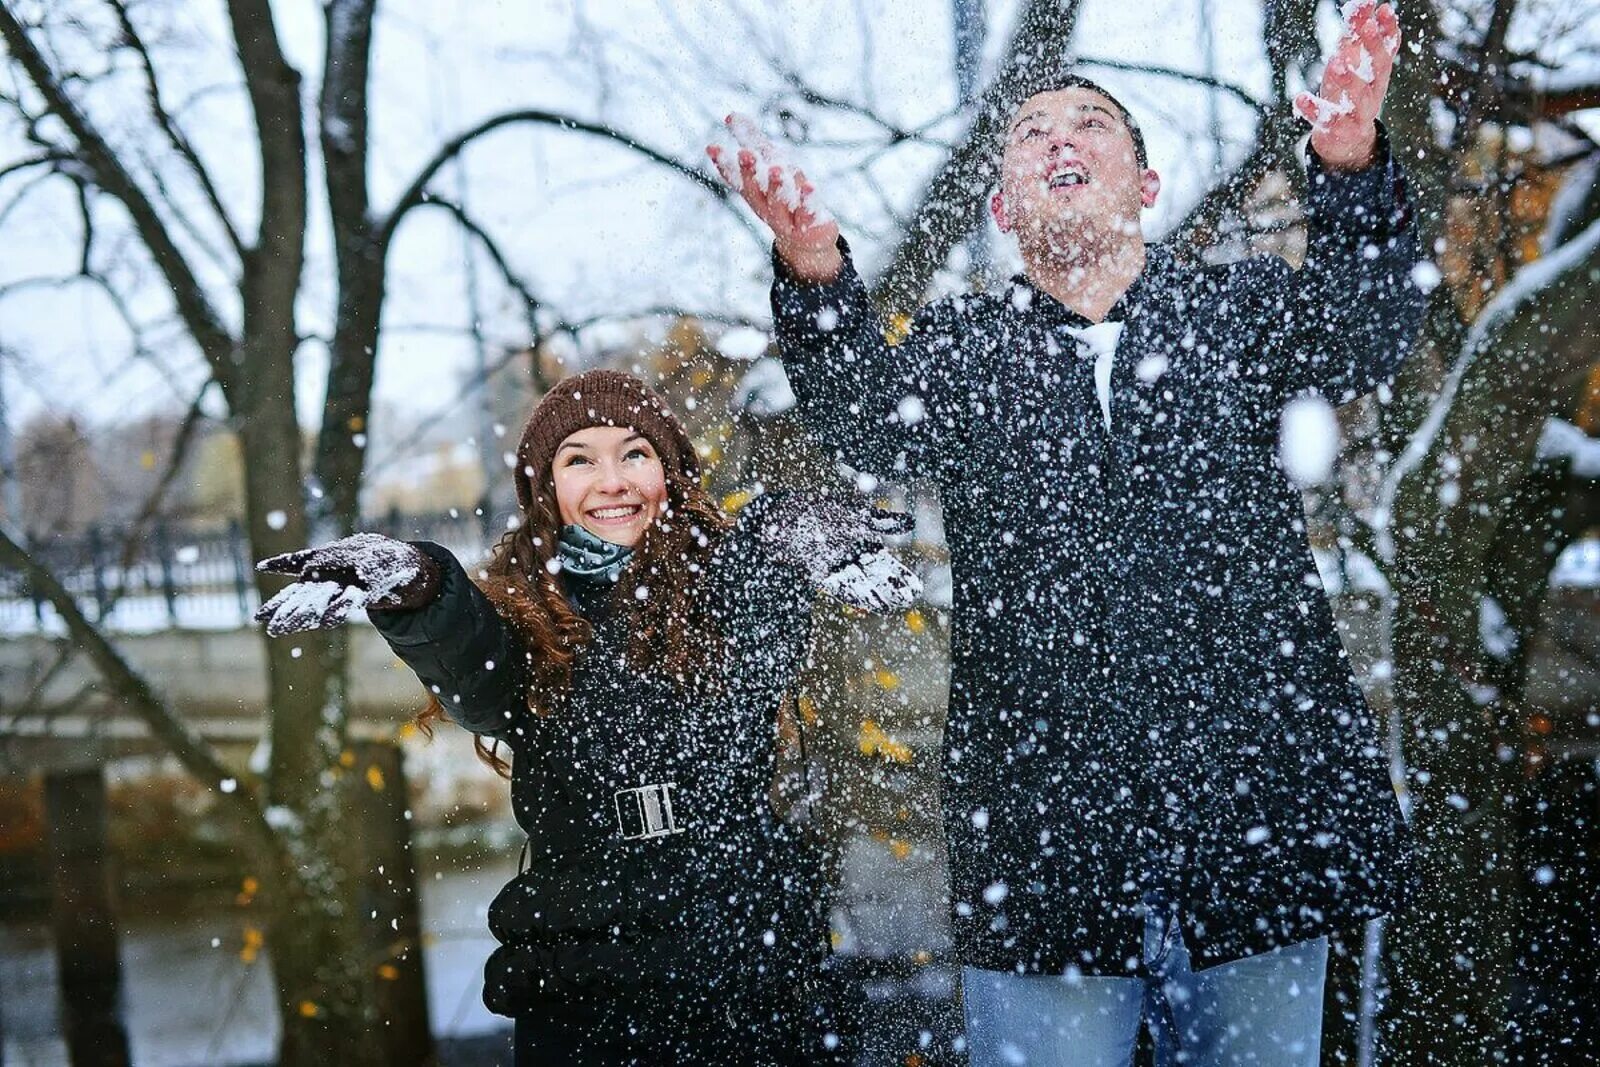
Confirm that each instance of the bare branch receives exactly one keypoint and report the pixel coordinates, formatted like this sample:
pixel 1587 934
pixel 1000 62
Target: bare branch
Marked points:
pixel 1238 92
pixel 530 302
pixel 1198 230
pixel 180 214
pixel 662 311
pixel 1482 93
pixel 1289 39
pixel 86 219
pixel 817 98
pixel 1531 326
pixel 359 261
pixel 573 329
pixel 418 189
pixel 273 266
pixel 33 702
pixel 204 323
pixel 32 161
pixel 136 530
pixel 169 126
pixel 28 187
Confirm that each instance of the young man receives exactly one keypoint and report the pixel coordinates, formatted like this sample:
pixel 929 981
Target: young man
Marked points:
pixel 1162 787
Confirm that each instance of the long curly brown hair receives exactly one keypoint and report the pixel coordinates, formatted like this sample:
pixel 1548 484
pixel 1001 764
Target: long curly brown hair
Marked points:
pixel 671 629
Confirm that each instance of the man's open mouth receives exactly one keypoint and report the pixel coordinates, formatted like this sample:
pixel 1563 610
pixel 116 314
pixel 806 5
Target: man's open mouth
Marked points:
pixel 1063 179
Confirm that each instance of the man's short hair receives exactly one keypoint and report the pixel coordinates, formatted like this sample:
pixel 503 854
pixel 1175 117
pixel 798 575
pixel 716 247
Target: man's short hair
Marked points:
pixel 1065 80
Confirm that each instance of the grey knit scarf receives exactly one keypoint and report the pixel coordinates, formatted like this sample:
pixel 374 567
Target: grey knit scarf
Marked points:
pixel 587 556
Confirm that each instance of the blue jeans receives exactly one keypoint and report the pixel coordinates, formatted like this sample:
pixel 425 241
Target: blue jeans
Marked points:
pixel 1264 1009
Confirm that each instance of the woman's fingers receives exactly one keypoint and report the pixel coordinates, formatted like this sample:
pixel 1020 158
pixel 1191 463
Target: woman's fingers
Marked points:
pixel 340 606
pixel 303 606
pixel 287 563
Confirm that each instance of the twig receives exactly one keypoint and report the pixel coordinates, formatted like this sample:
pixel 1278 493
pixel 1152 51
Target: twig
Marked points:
pixel 169 126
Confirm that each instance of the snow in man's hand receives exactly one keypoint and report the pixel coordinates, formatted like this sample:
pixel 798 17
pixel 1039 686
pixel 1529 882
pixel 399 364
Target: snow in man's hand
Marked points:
pixel 775 167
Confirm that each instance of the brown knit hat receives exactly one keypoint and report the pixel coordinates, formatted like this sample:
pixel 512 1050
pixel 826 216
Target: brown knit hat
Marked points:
pixel 599 398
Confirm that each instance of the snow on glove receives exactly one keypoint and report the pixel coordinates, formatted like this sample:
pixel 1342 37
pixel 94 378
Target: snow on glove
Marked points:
pixel 841 549
pixel 364 570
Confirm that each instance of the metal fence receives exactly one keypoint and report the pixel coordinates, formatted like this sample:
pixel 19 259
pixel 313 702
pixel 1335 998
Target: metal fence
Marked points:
pixel 185 576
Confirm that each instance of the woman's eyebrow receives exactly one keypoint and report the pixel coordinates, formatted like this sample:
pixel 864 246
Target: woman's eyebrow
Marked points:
pixel 571 444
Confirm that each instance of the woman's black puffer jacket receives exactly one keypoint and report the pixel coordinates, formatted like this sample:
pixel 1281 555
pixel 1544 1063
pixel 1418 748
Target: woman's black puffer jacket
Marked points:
pixel 660 891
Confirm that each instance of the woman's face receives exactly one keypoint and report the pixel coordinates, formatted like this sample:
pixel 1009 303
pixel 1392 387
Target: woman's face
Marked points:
pixel 610 481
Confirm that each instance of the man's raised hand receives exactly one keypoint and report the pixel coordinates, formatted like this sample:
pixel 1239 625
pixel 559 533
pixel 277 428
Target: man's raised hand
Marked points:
pixel 1344 112
pixel 803 232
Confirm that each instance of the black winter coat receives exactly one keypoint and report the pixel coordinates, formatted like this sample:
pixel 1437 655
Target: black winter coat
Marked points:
pixel 1147 690
pixel 713 930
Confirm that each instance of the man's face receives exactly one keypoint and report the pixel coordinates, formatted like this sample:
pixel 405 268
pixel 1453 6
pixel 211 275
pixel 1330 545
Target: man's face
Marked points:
pixel 1069 171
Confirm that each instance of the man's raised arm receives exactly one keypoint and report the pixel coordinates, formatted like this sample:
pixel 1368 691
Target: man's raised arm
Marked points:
pixel 889 410
pixel 1343 323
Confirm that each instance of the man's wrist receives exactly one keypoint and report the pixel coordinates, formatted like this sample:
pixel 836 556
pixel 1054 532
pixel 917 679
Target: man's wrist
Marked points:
pixel 813 265
pixel 1348 159
pixel 1369 200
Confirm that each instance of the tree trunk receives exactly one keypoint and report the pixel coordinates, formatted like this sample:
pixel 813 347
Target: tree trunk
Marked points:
pixel 326 995
pixel 1525 360
pixel 953 203
pixel 1451 951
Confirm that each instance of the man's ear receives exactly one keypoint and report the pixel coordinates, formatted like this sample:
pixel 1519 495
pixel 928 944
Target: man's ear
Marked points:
pixel 1149 188
pixel 997 208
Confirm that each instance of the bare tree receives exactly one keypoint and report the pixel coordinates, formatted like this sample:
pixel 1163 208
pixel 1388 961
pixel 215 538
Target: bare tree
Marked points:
pixel 245 328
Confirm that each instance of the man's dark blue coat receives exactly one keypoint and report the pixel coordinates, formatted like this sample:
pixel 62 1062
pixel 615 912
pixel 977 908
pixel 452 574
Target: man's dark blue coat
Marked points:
pixel 1147 690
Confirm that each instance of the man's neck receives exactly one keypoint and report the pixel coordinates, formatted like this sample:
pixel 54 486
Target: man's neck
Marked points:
pixel 1091 281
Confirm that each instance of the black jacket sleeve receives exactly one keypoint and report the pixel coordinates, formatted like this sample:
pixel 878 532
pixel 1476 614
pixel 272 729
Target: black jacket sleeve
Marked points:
pixel 892 410
pixel 762 605
pixel 461 650
pixel 1344 322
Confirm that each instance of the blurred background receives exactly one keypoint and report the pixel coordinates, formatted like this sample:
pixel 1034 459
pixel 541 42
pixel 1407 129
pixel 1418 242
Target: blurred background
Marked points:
pixel 271 272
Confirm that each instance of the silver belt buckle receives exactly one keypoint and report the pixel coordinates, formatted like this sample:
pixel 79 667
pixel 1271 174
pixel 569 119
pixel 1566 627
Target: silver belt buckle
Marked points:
pixel 645 811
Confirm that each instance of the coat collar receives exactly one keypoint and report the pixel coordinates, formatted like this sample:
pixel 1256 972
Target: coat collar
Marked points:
pixel 1029 300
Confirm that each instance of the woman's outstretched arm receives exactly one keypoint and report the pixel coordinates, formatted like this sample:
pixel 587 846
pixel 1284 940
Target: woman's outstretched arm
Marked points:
pixel 421 600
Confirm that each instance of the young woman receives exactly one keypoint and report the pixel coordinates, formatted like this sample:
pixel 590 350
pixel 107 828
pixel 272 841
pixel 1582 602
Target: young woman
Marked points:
pixel 631 648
